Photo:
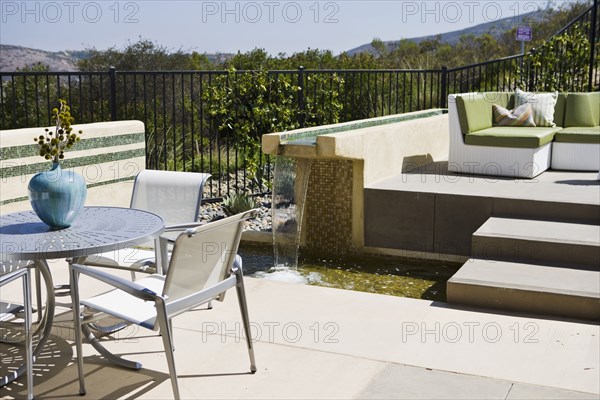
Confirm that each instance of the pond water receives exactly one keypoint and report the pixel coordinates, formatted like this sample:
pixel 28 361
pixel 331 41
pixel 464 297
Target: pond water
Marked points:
pixel 391 276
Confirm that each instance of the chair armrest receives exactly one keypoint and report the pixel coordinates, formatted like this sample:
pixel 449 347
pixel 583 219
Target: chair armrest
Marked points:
pixel 179 228
pixel 13 275
pixel 182 227
pixel 145 265
pixel 129 287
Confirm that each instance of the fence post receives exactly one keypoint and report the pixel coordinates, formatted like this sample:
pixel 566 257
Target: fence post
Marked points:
pixel 444 91
pixel 593 45
pixel 112 77
pixel 301 104
pixel 531 83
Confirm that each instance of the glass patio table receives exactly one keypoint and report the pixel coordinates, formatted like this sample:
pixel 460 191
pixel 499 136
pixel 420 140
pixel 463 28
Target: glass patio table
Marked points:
pixel 23 237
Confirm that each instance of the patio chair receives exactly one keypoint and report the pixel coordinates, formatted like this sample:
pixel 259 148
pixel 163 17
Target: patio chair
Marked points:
pixel 203 266
pixel 7 310
pixel 23 273
pixel 175 197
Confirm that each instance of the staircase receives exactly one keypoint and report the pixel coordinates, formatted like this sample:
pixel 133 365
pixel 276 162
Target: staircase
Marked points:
pixel 530 266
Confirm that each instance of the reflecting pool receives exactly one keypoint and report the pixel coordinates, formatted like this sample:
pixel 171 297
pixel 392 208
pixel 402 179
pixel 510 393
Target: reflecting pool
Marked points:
pixel 390 276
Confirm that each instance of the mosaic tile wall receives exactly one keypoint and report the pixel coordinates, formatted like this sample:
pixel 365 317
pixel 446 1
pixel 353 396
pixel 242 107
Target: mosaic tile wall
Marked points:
pixel 328 209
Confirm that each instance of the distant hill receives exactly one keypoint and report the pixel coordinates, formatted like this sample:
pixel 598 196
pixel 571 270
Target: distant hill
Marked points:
pixel 494 28
pixel 13 57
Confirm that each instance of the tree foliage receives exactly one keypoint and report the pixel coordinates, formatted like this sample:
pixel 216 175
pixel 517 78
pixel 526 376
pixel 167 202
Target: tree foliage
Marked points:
pixel 242 106
pixel 546 67
pixel 142 55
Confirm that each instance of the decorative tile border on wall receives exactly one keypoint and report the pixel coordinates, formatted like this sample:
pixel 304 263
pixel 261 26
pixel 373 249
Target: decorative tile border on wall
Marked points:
pixel 312 132
pixel 9 153
pixel 25 169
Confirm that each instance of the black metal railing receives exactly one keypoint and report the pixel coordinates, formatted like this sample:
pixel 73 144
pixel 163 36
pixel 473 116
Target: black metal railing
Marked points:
pixel 568 65
pixel 183 134
pixel 497 75
pixel 27 98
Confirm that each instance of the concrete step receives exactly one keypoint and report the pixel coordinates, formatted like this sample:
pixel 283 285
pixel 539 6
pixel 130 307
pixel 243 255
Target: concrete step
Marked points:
pixel 538 289
pixel 538 242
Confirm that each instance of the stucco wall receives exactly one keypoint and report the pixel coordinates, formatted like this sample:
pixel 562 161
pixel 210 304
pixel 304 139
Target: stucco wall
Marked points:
pixel 109 156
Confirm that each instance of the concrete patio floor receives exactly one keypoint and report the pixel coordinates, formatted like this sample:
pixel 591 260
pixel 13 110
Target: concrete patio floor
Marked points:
pixel 315 342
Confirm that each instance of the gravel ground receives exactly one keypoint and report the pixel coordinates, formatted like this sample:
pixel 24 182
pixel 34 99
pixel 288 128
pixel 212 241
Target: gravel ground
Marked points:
pixel 214 211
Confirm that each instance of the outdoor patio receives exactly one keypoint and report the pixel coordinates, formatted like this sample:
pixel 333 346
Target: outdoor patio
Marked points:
pixel 372 175
pixel 317 342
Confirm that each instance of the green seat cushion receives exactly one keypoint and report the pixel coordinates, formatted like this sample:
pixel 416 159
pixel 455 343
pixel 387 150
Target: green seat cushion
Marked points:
pixel 583 109
pixel 474 112
pixel 589 134
pixel 508 136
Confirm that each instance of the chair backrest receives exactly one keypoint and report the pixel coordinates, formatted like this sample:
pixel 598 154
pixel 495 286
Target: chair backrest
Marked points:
pixel 204 256
pixel 174 196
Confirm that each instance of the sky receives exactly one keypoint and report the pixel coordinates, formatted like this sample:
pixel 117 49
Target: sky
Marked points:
pixel 278 26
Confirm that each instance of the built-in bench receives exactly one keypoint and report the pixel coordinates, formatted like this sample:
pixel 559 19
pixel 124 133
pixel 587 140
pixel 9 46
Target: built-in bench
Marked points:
pixel 478 147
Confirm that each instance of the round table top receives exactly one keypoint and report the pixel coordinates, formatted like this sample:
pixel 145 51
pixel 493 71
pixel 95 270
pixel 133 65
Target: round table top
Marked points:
pixel 96 230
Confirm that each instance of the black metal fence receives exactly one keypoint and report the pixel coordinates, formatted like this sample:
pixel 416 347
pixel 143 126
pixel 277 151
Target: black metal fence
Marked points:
pixel 559 71
pixel 182 133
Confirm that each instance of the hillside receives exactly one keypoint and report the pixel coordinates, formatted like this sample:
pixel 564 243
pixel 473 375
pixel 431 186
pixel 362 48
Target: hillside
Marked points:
pixel 495 28
pixel 13 57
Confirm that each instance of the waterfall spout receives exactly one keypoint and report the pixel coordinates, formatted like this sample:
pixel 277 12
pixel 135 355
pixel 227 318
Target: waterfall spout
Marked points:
pixel 290 182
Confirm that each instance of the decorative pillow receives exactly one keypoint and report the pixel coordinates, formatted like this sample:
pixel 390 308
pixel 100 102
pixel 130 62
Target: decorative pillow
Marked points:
pixel 520 116
pixel 542 105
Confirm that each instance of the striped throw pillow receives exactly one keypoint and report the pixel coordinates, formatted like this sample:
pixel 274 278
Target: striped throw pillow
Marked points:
pixel 542 105
pixel 520 116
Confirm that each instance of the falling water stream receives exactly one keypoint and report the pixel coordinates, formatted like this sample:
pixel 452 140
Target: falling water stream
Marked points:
pixel 290 182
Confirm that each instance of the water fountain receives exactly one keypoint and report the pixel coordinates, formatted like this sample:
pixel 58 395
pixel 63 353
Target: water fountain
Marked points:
pixel 289 194
pixel 320 174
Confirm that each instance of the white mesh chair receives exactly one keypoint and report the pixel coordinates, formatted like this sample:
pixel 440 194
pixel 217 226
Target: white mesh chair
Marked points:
pixel 203 266
pixel 23 273
pixel 175 197
pixel 7 310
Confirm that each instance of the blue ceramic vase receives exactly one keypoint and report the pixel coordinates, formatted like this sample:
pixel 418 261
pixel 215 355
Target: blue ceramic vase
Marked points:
pixel 57 196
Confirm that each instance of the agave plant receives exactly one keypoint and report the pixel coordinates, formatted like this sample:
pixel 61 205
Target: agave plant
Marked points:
pixel 237 203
